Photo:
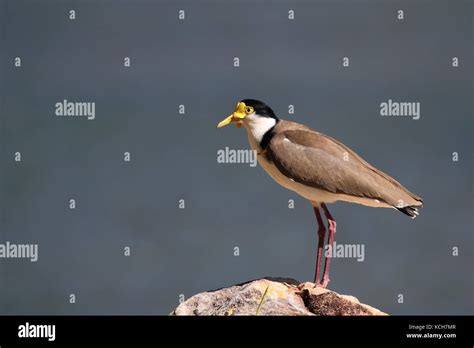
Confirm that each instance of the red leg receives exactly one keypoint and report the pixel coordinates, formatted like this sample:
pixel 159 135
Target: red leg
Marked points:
pixel 321 233
pixel 332 232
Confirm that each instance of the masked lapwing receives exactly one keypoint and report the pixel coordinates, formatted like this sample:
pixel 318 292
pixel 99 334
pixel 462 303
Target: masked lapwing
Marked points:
pixel 318 168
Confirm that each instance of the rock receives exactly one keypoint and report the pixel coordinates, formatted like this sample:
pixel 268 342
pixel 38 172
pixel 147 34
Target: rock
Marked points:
pixel 273 296
pixel 326 302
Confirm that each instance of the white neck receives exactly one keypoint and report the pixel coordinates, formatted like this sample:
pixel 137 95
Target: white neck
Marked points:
pixel 257 126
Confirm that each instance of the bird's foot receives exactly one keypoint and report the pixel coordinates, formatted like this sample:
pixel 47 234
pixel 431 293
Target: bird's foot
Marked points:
pixel 321 284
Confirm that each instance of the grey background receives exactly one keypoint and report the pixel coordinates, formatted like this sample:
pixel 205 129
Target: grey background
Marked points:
pixel 174 156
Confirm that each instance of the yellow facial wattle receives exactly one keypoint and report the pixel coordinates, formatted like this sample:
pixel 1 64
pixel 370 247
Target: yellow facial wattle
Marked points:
pixel 240 112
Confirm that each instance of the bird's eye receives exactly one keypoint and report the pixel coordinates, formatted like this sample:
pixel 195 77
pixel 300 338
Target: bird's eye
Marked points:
pixel 249 109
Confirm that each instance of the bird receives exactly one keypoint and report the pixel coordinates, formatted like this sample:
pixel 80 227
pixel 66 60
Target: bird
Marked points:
pixel 320 169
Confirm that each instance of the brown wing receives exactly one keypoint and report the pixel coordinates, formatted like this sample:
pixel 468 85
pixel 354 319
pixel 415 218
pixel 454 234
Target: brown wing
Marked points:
pixel 316 160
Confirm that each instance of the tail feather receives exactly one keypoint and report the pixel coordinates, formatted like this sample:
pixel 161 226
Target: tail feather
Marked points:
pixel 410 210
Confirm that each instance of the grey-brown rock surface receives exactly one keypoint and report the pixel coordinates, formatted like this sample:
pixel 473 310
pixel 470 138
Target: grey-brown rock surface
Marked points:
pixel 273 297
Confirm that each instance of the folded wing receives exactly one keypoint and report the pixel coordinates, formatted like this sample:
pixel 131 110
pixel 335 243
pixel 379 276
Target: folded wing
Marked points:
pixel 317 160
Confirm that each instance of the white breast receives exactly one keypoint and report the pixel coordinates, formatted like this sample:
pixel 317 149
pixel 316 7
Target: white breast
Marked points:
pixel 255 132
pixel 311 193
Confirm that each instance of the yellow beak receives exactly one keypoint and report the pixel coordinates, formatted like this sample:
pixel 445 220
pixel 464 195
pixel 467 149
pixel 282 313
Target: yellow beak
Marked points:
pixel 236 116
